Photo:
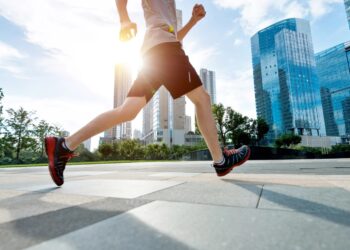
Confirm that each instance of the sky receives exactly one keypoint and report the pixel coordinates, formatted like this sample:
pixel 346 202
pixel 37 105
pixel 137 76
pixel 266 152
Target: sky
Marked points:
pixel 57 57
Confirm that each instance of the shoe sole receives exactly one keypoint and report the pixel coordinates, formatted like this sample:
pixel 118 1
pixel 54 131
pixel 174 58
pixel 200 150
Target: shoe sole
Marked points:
pixel 50 151
pixel 235 165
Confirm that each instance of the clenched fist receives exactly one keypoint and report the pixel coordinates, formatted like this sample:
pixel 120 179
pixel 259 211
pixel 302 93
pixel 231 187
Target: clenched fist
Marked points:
pixel 198 12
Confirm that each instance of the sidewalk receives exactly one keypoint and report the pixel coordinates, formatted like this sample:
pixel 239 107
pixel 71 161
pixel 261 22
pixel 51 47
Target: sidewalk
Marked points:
pixel 290 204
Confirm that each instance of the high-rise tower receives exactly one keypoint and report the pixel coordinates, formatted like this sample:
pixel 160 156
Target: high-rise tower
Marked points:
pixel 333 68
pixel 209 82
pixel 122 84
pixel 286 86
pixel 347 9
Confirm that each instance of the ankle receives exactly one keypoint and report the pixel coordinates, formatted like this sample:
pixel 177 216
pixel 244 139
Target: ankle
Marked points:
pixel 67 144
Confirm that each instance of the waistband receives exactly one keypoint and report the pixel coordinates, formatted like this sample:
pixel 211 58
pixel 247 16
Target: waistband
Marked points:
pixel 165 49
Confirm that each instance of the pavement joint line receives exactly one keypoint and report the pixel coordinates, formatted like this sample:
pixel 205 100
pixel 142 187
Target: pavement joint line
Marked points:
pixel 261 191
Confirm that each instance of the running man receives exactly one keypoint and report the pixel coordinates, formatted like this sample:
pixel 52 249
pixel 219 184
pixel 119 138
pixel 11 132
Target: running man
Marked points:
pixel 165 63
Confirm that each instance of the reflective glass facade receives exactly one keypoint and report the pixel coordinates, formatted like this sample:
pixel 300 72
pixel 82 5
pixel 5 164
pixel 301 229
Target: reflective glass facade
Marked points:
pixel 285 81
pixel 347 9
pixel 333 68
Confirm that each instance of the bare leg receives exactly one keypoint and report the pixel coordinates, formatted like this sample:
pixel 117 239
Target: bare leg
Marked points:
pixel 126 112
pixel 206 122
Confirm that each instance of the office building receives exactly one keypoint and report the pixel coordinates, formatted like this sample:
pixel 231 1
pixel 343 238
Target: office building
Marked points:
pixel 347 9
pixel 285 82
pixel 333 68
pixel 209 82
pixel 188 124
pixel 87 144
pixel 122 84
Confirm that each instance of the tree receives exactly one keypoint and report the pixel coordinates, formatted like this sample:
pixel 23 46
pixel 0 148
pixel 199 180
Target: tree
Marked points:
pixel 42 130
pixel 218 111
pixel 105 150
pixel 259 129
pixel 237 127
pixel 19 125
pixel 287 140
pixel 131 150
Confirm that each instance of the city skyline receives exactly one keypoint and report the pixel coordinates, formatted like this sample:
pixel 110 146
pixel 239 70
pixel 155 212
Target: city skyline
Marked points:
pixel 52 67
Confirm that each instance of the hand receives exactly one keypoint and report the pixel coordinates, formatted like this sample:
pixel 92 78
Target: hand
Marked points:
pixel 198 12
pixel 128 30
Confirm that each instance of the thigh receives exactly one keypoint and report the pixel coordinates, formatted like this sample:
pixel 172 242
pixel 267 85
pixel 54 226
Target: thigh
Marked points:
pixel 145 85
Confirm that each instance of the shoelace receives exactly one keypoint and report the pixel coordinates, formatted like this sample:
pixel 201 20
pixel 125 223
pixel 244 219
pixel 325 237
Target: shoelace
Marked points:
pixel 229 152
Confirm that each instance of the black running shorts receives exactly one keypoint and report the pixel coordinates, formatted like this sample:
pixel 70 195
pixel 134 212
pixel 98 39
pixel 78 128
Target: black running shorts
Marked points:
pixel 165 64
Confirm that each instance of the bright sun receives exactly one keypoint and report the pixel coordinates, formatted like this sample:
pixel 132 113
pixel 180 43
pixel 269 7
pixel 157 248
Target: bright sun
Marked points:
pixel 128 53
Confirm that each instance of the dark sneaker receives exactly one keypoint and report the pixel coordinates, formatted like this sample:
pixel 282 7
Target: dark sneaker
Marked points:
pixel 233 158
pixel 58 157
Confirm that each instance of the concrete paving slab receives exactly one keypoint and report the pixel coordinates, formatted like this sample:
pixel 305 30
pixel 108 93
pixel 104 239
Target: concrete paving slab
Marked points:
pixel 171 225
pixel 33 230
pixel 293 198
pixel 219 192
pixel 173 174
pixel 26 204
pixel 108 188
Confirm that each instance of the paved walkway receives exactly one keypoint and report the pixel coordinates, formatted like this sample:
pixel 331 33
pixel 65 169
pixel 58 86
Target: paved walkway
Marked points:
pixel 291 204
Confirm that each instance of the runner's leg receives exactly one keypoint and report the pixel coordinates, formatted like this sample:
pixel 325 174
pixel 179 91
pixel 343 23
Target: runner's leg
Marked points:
pixel 126 112
pixel 206 122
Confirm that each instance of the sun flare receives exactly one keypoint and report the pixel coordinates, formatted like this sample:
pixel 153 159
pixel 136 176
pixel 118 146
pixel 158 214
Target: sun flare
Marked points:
pixel 128 53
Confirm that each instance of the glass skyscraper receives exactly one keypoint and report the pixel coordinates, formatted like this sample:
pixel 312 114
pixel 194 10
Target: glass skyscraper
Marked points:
pixel 285 81
pixel 333 68
pixel 347 9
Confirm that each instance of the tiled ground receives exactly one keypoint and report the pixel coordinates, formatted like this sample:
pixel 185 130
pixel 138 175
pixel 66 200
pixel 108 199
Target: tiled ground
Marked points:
pixel 300 204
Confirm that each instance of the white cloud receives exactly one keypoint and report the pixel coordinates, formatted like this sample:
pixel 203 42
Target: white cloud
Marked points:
pixel 255 15
pixel 8 58
pixel 80 37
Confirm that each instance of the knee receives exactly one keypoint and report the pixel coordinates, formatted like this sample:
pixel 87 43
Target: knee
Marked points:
pixel 130 113
pixel 204 99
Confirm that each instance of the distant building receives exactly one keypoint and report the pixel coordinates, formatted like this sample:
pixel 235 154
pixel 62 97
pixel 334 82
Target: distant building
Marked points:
pixel 64 133
pixel 191 139
pixel 285 81
pixel 122 84
pixel 209 82
pixel 333 68
pixel 188 124
pixel 87 144
pixel 137 134
pixel 347 9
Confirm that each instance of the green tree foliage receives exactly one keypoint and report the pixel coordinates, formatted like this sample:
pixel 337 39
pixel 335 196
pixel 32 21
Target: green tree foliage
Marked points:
pixel 20 130
pixel 105 150
pixel 40 131
pixel 237 129
pixel 287 140
pixel 219 117
pixel 341 148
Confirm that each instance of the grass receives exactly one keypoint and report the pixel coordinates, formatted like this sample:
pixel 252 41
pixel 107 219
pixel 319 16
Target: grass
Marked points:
pixel 80 163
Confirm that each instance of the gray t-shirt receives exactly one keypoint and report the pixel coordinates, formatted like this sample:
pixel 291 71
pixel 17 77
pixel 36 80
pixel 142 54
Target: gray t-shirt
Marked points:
pixel 161 23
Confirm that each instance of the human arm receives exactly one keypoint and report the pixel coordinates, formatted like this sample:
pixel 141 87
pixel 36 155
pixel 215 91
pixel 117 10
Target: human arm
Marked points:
pixel 128 29
pixel 198 13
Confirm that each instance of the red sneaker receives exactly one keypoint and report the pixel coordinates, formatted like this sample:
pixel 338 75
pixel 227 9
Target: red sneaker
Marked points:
pixel 233 158
pixel 58 157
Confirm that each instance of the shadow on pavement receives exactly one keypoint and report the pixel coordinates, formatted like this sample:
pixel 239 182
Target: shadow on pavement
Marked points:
pixel 33 230
pixel 315 209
